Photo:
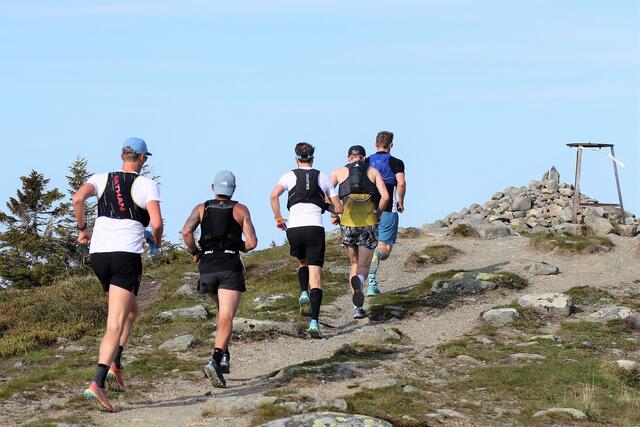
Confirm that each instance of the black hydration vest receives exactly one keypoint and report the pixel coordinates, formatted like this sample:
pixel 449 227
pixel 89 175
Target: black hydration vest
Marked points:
pixel 307 189
pixel 219 231
pixel 117 201
pixel 358 182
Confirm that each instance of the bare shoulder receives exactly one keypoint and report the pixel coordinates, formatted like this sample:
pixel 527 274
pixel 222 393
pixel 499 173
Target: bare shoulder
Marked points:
pixel 241 209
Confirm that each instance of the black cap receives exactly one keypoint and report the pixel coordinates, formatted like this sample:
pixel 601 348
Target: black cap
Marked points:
pixel 357 150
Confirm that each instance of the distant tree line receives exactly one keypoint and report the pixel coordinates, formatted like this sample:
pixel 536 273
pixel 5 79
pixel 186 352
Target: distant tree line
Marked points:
pixel 38 230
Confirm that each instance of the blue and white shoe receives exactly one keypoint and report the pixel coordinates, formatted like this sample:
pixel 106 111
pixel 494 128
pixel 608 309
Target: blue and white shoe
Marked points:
pixel 359 313
pixel 314 329
pixel 373 289
pixel 213 371
pixel 305 304
pixel 358 297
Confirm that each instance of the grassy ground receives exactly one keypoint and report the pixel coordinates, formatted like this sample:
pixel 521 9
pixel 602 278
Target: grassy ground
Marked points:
pixel 567 243
pixel 430 255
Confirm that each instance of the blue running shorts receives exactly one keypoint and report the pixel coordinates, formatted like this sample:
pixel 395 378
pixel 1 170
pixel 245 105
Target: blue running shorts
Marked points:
pixel 388 228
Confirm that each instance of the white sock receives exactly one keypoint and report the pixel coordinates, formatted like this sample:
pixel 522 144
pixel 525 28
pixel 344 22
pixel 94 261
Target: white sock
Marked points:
pixel 361 277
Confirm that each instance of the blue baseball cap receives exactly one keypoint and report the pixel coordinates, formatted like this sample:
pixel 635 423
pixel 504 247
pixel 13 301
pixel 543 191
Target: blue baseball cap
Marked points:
pixel 224 183
pixel 137 145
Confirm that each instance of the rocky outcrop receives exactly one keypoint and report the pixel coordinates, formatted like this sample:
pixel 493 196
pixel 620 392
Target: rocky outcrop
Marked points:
pixel 555 304
pixel 543 206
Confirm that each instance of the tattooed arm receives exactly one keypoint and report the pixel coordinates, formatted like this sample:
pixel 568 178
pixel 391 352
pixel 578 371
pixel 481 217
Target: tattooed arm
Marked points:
pixel 187 232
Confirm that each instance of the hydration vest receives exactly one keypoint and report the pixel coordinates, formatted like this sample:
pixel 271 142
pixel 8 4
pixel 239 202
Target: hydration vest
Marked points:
pixel 219 231
pixel 307 189
pixel 117 201
pixel 358 182
pixel 380 161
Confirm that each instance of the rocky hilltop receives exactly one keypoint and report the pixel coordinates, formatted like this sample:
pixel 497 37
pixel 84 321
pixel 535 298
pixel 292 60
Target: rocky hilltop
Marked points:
pixel 543 206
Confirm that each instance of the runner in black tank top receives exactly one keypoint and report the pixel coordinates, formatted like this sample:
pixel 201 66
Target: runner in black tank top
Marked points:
pixel 222 223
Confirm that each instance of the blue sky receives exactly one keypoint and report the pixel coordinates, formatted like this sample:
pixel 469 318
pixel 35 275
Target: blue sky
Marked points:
pixel 480 95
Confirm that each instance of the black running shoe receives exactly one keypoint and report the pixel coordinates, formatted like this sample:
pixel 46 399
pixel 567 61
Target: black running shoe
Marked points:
pixel 358 296
pixel 213 371
pixel 225 363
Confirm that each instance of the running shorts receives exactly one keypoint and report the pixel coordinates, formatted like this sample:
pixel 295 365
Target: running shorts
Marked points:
pixel 360 236
pixel 388 228
pixel 209 283
pixel 121 269
pixel 307 243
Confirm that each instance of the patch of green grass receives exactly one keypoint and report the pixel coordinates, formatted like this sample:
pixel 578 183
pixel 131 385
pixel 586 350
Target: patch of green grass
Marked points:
pixel 154 365
pixel 33 318
pixel 269 412
pixel 74 419
pixel 505 279
pixel 437 254
pixel 55 375
pixel 602 335
pixel 588 295
pixel 409 233
pixel 470 347
pixel 391 404
pixel 463 230
pixel 287 393
pixel 382 307
pixel 567 243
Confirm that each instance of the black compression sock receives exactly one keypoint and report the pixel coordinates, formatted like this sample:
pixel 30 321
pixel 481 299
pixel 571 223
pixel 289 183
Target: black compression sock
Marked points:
pixel 118 356
pixel 217 355
pixel 316 299
pixel 226 352
pixel 303 278
pixel 101 374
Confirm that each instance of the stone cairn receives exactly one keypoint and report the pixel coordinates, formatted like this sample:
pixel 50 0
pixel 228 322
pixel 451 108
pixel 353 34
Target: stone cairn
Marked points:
pixel 543 206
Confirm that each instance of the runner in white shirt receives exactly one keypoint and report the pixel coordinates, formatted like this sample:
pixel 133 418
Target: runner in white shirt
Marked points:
pixel 308 189
pixel 127 204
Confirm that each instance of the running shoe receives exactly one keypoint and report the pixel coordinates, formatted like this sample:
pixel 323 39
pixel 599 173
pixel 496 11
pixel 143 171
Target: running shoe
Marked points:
pixel 305 304
pixel 359 313
pixel 358 296
pixel 114 379
pixel 213 371
pixel 314 329
pixel 97 396
pixel 373 289
pixel 225 363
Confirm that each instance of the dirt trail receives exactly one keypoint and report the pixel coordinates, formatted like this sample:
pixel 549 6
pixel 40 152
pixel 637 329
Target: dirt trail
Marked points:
pixel 182 402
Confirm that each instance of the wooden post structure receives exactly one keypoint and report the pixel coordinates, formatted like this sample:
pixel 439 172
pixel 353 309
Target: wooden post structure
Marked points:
pixel 576 192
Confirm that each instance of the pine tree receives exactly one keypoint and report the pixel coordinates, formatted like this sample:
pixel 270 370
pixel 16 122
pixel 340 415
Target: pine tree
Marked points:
pixel 30 254
pixel 78 255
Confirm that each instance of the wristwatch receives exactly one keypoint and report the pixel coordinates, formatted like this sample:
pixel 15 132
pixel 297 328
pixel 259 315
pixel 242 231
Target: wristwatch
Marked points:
pixel 195 253
pixel 84 227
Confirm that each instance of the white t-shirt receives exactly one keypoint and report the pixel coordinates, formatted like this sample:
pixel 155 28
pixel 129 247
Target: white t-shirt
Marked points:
pixel 121 235
pixel 306 214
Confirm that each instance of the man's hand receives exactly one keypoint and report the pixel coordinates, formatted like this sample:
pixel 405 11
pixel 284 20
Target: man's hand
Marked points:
pixel 400 206
pixel 335 219
pixel 281 223
pixel 84 237
pixel 196 257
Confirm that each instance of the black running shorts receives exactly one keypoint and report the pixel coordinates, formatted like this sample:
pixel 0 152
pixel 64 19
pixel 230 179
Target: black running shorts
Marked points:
pixel 121 269
pixel 307 243
pixel 209 283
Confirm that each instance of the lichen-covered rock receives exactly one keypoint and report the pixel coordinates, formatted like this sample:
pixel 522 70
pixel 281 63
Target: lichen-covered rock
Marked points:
pixel 328 419
pixel 550 303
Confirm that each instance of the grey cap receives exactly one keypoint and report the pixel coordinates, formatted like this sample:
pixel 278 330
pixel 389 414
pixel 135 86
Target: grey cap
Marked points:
pixel 224 183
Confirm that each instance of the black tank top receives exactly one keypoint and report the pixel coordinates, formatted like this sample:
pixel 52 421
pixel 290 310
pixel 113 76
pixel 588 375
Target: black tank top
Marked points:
pixel 307 189
pixel 117 201
pixel 220 238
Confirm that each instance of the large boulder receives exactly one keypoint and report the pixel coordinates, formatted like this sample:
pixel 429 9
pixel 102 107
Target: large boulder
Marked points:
pixel 555 304
pixel 543 269
pixel 600 226
pixel 462 286
pixel 629 317
pixel 232 406
pixel 181 343
pixel 521 203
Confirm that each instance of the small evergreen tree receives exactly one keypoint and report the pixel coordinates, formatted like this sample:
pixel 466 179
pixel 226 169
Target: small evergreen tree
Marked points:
pixel 30 253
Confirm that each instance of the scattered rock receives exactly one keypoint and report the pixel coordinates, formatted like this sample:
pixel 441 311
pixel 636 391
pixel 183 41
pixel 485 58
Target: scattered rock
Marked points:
pixel 483 340
pixel 527 356
pixel 575 413
pixel 232 406
pixel 269 301
pixel 376 335
pixel 500 316
pixel 328 419
pixel 463 358
pixel 628 316
pixel 543 269
pixel 600 226
pixel 306 406
pixel 331 371
pixel 378 384
pixel 410 389
pixel 242 325
pixel 450 413
pixel 546 338
pixel 461 286
pixel 628 366
pixel 551 303
pixel 195 312
pixel 186 290
pixel 180 343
